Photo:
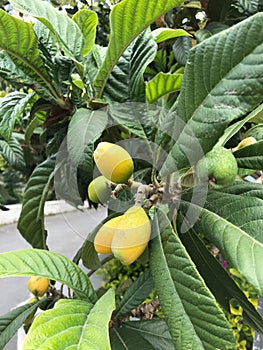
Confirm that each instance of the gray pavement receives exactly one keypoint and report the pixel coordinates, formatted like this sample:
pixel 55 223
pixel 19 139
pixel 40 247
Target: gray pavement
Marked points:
pixel 66 234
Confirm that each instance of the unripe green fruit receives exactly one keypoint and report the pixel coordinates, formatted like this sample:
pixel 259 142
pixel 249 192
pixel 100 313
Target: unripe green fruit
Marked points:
pixel 99 190
pixel 219 167
pixel 114 162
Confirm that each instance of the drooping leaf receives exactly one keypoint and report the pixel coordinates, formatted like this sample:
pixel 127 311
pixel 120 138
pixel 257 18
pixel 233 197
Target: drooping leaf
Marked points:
pixel 85 128
pixel 87 20
pixel 138 16
pixel 31 220
pixel 19 40
pixel 73 324
pixel 65 30
pixel 251 156
pixel 126 81
pixel 162 84
pixel 11 108
pixel 219 281
pixel 193 317
pixel 13 320
pixel 146 335
pixel 13 153
pixel 235 240
pixel 211 98
pixel 135 294
pixel 39 262
pixel 181 49
pixel 162 34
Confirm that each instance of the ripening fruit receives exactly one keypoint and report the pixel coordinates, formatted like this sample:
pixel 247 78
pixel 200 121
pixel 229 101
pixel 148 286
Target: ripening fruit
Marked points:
pixel 38 285
pixel 246 142
pixel 114 162
pixel 104 236
pixel 99 190
pixel 131 235
pixel 219 167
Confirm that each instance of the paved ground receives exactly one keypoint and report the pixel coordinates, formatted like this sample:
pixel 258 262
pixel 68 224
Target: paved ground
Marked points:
pixel 66 233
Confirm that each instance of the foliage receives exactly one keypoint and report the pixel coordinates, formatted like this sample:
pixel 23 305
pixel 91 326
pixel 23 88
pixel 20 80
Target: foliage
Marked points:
pixel 70 93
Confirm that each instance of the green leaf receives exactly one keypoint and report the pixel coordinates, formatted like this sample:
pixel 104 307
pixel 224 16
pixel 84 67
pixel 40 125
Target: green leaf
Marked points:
pixel 87 21
pixel 245 212
pixel 162 84
pixel 65 30
pixel 218 280
pixel 85 127
pixel 73 324
pixel 146 335
pixel 13 320
pixel 181 49
pixel 251 156
pixel 238 247
pixel 19 40
pixel 194 319
pixel 162 34
pixel 136 293
pixel 11 108
pixel 126 81
pixel 30 129
pixel 10 72
pixel 246 189
pixel 31 220
pixel 138 16
pixel 234 128
pixel 212 98
pixel 13 153
pixel 42 263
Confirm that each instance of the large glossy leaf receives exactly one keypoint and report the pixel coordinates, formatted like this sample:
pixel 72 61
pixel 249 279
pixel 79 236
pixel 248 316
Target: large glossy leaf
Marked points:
pixel 194 319
pixel 10 72
pixel 162 84
pixel 245 189
pixel 87 20
pixel 85 128
pixel 136 293
pixel 231 234
pixel 19 40
pixel 13 153
pixel 38 262
pixel 250 157
pixel 219 281
pixel 13 320
pixel 244 212
pixel 31 220
pixel 11 108
pixel 162 34
pixel 126 81
pixel 146 335
pixel 65 30
pixel 127 20
pixel 222 82
pixel 73 324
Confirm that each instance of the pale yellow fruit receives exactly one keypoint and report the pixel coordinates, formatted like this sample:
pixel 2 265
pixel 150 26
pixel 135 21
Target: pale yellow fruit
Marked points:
pixel 114 162
pixel 104 236
pixel 38 285
pixel 132 235
pixel 99 190
pixel 246 142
